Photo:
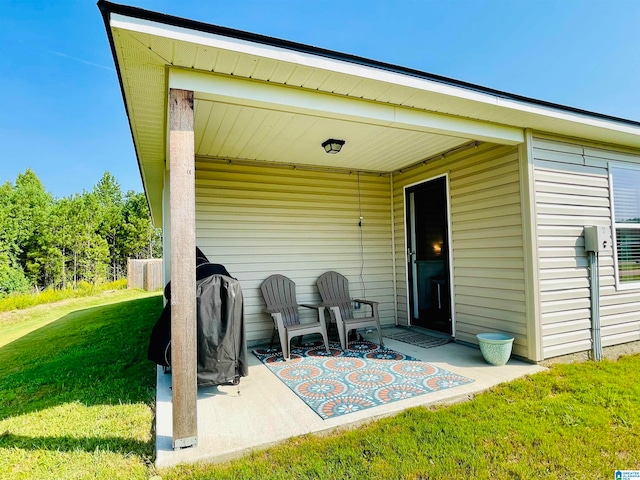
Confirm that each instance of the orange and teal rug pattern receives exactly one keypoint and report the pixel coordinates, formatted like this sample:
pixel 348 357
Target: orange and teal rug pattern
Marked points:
pixel 364 376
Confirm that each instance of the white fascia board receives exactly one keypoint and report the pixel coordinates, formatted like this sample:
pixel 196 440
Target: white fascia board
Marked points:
pixel 569 117
pixel 319 62
pixel 239 91
pixel 291 56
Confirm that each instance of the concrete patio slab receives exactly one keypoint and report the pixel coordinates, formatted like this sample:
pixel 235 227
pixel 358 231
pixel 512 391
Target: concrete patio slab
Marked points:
pixel 262 411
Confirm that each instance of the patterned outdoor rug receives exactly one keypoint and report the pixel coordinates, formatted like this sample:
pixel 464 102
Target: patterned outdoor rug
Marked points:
pixel 364 376
pixel 418 339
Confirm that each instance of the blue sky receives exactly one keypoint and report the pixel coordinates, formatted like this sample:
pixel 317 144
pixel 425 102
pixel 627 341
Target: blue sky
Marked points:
pixel 61 110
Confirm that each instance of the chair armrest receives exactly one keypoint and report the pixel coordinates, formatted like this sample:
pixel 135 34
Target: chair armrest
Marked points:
pixel 320 308
pixel 366 302
pixel 328 305
pixel 372 305
pixel 311 305
pixel 276 316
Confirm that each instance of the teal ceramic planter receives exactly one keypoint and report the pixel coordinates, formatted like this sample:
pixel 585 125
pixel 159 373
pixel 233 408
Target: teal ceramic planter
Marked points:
pixel 495 347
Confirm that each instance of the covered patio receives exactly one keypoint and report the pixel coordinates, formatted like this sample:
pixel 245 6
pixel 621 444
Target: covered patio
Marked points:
pixel 431 209
pixel 267 412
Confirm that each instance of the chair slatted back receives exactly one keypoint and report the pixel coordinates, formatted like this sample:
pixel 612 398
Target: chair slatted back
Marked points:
pixel 279 293
pixel 334 290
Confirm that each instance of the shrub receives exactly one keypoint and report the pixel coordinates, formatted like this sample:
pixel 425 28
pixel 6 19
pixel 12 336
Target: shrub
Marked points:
pixel 50 295
pixel 12 280
pixel 84 286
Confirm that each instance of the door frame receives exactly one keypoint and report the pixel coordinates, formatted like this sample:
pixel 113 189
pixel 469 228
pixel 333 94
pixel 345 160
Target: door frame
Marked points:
pixel 408 285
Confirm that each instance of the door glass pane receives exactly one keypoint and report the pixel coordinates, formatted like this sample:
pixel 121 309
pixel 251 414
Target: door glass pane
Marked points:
pixel 430 297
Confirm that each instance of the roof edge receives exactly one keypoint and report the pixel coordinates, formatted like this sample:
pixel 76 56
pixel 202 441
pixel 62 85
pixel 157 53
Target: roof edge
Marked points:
pixel 107 8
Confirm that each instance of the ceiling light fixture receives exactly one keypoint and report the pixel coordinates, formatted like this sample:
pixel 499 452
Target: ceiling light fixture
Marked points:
pixel 332 145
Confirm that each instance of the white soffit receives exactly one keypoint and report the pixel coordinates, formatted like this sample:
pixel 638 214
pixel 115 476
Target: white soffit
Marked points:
pixel 233 131
pixel 312 95
pixel 295 100
pixel 196 49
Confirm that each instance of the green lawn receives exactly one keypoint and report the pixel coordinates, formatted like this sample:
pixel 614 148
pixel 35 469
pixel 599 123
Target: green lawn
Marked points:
pixel 76 389
pixel 578 421
pixel 76 402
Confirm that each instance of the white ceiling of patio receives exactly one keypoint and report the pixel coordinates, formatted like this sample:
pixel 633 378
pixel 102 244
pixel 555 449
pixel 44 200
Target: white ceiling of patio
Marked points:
pixel 403 118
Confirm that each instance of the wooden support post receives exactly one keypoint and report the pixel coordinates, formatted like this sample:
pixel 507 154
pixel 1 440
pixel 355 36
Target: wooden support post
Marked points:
pixel 183 267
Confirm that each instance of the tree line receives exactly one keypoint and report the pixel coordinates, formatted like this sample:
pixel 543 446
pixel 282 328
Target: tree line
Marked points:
pixel 58 242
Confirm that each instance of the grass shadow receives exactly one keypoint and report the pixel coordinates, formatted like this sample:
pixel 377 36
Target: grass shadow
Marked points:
pixel 93 356
pixel 119 445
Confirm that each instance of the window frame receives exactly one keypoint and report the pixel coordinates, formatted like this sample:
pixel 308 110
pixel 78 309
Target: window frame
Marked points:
pixel 634 285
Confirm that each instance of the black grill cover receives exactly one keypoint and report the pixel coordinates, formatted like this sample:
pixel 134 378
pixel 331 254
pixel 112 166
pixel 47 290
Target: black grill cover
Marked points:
pixel 222 350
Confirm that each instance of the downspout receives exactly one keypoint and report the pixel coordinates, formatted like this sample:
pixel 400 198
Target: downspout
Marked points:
pixel 596 239
pixel 594 283
pixel 393 251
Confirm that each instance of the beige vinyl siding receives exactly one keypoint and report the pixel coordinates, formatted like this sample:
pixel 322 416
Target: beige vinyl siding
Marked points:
pixel 487 241
pixel 572 190
pixel 261 220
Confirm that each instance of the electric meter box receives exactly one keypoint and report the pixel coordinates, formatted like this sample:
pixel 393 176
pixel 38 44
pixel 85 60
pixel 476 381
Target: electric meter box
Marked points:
pixel 597 239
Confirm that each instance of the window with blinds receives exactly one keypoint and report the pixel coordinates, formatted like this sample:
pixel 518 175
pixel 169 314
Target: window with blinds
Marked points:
pixel 626 204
